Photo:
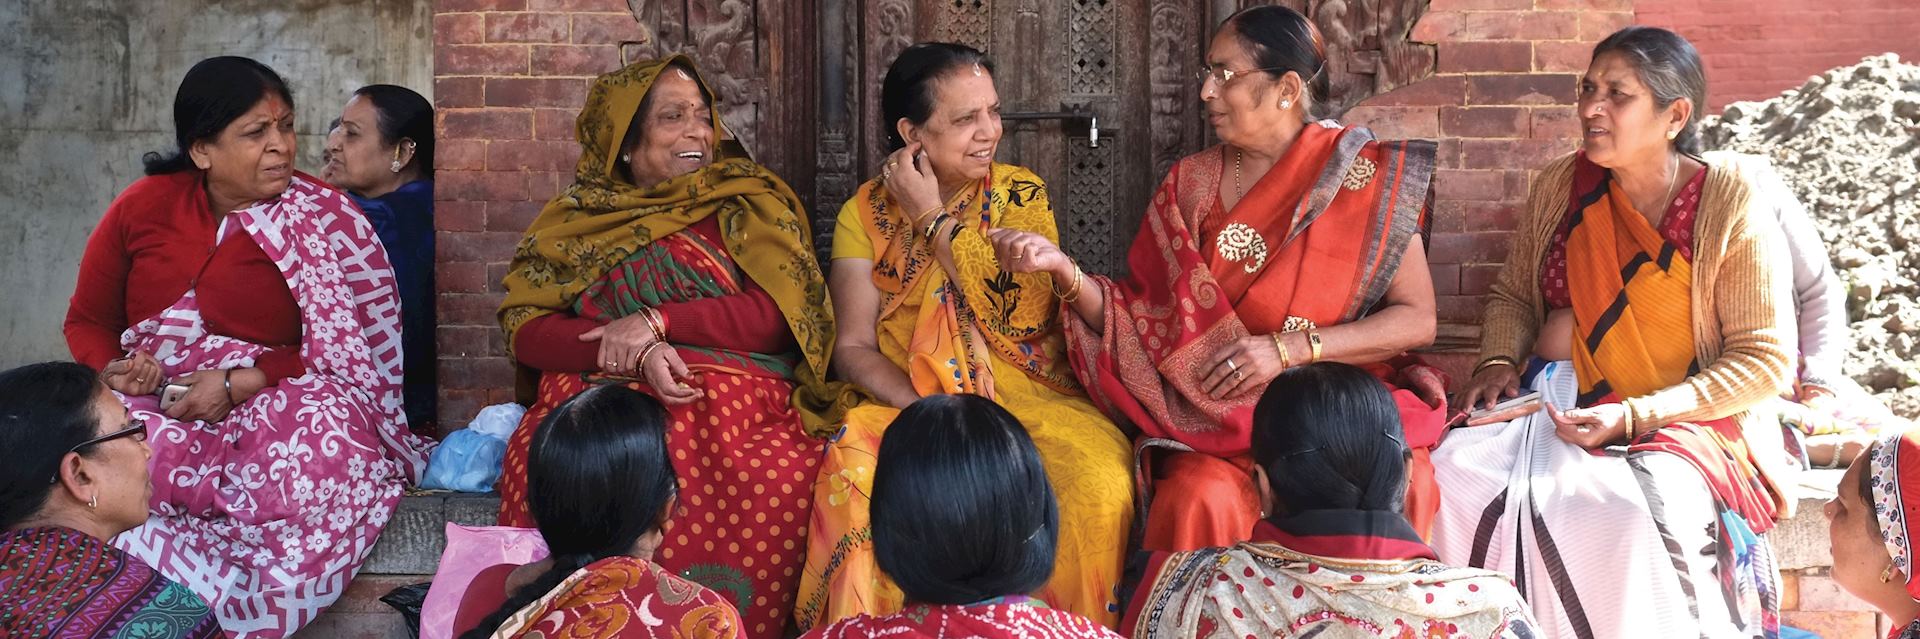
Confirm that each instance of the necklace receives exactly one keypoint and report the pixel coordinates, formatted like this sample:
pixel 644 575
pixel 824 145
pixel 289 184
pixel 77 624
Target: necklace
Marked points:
pixel 1238 191
pixel 1672 177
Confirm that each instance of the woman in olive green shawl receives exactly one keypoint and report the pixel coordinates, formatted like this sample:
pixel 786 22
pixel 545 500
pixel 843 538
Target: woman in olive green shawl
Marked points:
pixel 690 278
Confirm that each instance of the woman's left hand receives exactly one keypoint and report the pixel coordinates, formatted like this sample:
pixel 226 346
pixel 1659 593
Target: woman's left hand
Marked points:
pixel 621 343
pixel 1245 365
pixel 1427 383
pixel 206 399
pixel 1024 252
pixel 1591 427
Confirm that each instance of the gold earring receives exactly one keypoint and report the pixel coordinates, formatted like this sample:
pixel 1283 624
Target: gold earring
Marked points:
pixel 94 502
pixel 1886 574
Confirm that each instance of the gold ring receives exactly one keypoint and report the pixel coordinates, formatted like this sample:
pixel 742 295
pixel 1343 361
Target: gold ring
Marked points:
pixel 1237 375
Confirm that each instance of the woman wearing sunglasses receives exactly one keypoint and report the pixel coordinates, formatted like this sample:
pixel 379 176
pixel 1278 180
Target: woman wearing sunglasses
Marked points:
pixel 77 477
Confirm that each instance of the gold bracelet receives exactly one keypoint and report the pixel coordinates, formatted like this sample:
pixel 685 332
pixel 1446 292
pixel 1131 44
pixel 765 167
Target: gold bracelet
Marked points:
pixel 934 227
pixel 928 214
pixel 1286 361
pixel 654 323
pixel 1073 293
pixel 1497 360
pixel 648 351
pixel 1313 344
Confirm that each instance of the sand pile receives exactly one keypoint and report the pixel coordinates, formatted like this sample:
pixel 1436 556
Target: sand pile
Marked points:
pixel 1848 141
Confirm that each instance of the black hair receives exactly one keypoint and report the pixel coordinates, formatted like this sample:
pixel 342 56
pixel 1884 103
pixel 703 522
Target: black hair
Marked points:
pixel 907 91
pixel 598 478
pixel 1328 435
pixel 1670 67
pixel 962 510
pixel 45 410
pixel 637 126
pixel 1281 40
pixel 215 92
pixel 403 114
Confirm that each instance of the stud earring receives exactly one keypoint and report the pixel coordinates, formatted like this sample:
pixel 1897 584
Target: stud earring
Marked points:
pixel 627 158
pixel 395 167
pixel 1673 134
pixel 1286 103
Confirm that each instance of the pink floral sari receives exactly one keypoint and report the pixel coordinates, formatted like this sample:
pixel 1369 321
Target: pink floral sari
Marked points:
pixel 268 513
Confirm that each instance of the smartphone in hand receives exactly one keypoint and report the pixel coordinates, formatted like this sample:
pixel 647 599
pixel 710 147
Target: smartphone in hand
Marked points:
pixel 1509 410
pixel 172 393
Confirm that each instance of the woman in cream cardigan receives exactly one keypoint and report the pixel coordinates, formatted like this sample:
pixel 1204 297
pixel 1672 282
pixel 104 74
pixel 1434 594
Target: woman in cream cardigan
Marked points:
pixel 1641 299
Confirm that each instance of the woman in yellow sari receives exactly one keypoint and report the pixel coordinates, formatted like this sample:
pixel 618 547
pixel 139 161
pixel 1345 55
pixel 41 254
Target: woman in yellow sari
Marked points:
pixel 925 309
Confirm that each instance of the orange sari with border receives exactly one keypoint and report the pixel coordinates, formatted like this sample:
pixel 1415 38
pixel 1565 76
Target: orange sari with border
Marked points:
pixel 1316 240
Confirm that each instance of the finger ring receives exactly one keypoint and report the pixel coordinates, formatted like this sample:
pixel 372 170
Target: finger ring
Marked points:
pixel 1234 367
pixel 1582 429
pixel 1237 375
pixel 1018 256
pixel 611 363
pixel 140 379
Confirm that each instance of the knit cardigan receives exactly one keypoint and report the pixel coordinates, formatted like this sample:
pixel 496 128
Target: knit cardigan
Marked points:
pixel 1743 327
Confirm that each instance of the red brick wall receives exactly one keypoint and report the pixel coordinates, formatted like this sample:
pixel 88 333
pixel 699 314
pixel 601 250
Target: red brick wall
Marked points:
pixel 1501 104
pixel 1755 49
pixel 509 78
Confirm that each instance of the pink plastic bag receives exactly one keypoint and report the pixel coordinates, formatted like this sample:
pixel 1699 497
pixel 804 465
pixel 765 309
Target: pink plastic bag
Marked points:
pixel 469 551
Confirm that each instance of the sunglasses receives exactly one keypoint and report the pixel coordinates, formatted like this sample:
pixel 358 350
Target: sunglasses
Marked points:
pixel 138 432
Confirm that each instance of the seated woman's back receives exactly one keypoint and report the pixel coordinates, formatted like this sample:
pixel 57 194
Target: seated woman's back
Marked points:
pixel 1332 555
pixel 600 483
pixel 964 520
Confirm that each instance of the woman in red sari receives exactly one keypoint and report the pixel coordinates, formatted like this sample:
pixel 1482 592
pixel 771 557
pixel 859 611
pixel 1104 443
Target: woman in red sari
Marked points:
pixel 1291 242
pixel 690 278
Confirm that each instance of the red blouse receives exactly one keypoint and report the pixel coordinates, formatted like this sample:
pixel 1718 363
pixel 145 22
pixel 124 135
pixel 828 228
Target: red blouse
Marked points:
pixel 747 321
pixel 1676 228
pixel 157 241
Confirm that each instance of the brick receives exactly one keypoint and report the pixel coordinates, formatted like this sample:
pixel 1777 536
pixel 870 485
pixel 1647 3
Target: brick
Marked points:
pixel 578 5
pixel 1596 26
pixel 1485 57
pixel 457 309
pixel 1474 185
pixel 497 277
pixel 1833 625
pixel 459 28
pixel 486 186
pixel 528 27
pixel 1446 278
pixel 513 217
pixel 1526 89
pixel 460 155
pixel 482 247
pixel 1479 5
pixel 1562 57
pixel 470 341
pixel 460 277
pixel 458 216
pixel 1478 215
pixel 1439 90
pixel 500 396
pixel 554 124
pixel 1454 309
pixel 1478 279
pixel 1555 122
pixel 542 186
pixel 605 28
pixel 1485 122
pixel 480 59
pixel 456 6
pixel 1525 153
pixel 1457 26
pixel 487 124
pixel 575 59
pixel 1586 5
pixel 459 92
pixel 1472 247
pixel 1396 123
pixel 487 372
pixel 536 92
pixel 1447 156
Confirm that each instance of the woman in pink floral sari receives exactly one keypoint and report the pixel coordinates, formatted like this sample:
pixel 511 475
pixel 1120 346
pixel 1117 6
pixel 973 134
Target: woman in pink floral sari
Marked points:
pixel 259 301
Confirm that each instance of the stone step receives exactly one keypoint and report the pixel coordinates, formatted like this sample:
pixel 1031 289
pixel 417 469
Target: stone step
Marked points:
pixel 408 553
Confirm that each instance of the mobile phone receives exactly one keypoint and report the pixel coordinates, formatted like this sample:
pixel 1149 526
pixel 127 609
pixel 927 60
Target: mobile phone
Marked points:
pixel 172 393
pixel 1505 411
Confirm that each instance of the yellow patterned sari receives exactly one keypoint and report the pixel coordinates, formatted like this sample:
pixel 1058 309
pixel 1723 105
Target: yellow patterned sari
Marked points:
pixel 990 333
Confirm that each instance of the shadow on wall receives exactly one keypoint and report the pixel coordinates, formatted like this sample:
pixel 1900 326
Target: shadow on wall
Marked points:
pixel 86 88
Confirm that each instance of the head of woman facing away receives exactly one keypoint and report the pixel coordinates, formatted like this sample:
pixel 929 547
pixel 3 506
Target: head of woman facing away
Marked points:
pixel 382 141
pixel 600 484
pixel 1262 69
pixel 76 457
pixel 1327 436
pixel 1641 98
pixel 962 509
pixel 941 96
pixel 1868 524
pixel 233 120
pixel 673 133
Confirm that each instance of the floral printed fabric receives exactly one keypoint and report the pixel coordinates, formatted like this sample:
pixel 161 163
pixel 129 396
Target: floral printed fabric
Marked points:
pixel 625 598
pixel 1015 617
pixel 58 582
pixel 267 514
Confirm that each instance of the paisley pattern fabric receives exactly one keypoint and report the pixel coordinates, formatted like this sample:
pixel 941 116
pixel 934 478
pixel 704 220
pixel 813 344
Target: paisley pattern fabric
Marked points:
pixel 267 513
pixel 625 598
pixel 59 582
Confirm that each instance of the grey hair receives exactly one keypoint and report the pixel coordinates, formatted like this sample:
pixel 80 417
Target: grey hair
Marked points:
pixel 1670 67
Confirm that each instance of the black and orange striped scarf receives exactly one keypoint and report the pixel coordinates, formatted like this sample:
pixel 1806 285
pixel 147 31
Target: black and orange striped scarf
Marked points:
pixel 1633 335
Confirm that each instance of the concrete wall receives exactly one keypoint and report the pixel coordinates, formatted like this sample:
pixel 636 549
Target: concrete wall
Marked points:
pixel 86 87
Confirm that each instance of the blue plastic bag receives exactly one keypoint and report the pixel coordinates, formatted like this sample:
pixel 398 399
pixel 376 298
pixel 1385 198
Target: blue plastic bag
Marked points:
pixel 466 461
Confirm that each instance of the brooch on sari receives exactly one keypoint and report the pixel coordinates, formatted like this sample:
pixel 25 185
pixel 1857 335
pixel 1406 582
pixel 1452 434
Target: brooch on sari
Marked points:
pixel 1240 243
pixel 1359 174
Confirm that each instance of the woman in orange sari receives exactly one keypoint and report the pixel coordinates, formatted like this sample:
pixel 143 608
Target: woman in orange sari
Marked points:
pixel 1291 242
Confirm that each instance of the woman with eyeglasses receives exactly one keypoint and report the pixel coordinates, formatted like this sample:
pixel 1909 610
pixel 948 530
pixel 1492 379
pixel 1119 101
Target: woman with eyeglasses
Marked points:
pixel 76 477
pixel 1293 241
pixel 1331 555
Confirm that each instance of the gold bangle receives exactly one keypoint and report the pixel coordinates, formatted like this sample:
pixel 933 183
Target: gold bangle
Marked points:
pixel 934 227
pixel 1286 361
pixel 1497 360
pixel 1313 345
pixel 1073 293
pixel 648 351
pixel 654 323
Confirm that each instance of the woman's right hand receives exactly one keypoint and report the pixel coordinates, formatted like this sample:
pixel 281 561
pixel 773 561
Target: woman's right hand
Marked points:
pixel 1492 384
pixel 621 343
pixel 136 374
pixel 666 372
pixel 909 178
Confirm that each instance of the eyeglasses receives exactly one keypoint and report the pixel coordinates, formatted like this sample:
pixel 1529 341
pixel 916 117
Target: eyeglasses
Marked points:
pixel 1224 75
pixel 138 432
